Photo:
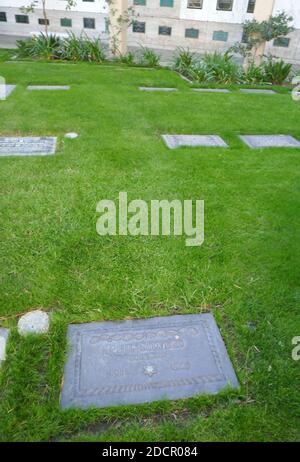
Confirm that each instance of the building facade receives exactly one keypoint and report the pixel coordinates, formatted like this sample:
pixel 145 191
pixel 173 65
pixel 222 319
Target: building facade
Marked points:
pixel 200 25
pixel 89 16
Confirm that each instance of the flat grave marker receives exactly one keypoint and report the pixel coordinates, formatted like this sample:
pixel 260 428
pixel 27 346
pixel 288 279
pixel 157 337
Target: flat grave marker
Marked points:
pixel 270 141
pixel 157 89
pixel 27 146
pixel 257 91
pixel 145 360
pixel 175 141
pixel 211 90
pixel 48 87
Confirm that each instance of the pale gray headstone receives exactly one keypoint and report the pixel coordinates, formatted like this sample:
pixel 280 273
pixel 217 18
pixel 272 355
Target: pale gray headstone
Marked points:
pixel 270 141
pixel 48 87
pixel 211 90
pixel 257 91
pixel 27 146
pixel 3 341
pixel 175 141
pixel 145 360
pixel 6 90
pixel 157 89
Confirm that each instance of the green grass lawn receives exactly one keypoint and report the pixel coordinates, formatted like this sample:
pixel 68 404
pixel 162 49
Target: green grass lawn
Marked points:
pixel 248 269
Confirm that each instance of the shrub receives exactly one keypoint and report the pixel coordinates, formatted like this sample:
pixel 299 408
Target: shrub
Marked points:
pixel 40 46
pixel 216 67
pixel 201 73
pixel 276 71
pixel 128 58
pixel 71 48
pixel 254 74
pixel 24 48
pixel 148 57
pixel 184 61
pixel 222 68
pixel 82 48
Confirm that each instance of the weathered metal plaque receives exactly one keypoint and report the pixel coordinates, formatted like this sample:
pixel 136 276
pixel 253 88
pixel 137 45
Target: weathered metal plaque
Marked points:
pixel 144 360
pixel 270 141
pixel 175 141
pixel 27 146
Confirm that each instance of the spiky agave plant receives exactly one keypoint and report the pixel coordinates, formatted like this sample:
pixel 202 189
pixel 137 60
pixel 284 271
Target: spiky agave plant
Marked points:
pixel 184 61
pixel 276 71
pixel 148 57
pixel 82 48
pixel 40 46
pixel 222 67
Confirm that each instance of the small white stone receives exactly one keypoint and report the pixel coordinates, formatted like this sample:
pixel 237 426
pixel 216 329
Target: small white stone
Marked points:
pixel 71 135
pixel 34 322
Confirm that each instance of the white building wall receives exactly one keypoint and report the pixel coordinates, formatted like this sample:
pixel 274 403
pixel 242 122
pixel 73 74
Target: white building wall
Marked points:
pixel 56 10
pixel 97 6
pixel 292 7
pixel 209 12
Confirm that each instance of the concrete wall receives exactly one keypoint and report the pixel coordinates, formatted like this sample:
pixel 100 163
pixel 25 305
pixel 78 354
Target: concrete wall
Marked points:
pixel 201 44
pixel 179 17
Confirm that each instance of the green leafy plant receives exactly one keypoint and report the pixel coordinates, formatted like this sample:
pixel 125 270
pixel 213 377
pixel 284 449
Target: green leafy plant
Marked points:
pixel 40 46
pixel 82 48
pixel 71 48
pixel 128 58
pixel 254 74
pixel 276 71
pixel 257 33
pixel 184 61
pixel 148 57
pixel 222 68
pixel 213 67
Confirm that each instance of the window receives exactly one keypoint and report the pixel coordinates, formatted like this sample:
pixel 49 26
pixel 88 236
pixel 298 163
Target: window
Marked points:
pixel 195 4
pixel 138 26
pixel 89 23
pixel 282 42
pixel 164 30
pixel 106 25
pixel 139 2
pixel 22 18
pixel 3 17
pixel 220 36
pixel 192 33
pixel 245 38
pixel 224 5
pixel 66 22
pixel 169 3
pixel 251 6
pixel 42 22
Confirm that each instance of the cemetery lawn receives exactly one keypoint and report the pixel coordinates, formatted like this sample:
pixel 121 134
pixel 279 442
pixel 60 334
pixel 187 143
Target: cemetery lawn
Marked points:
pixel 247 273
